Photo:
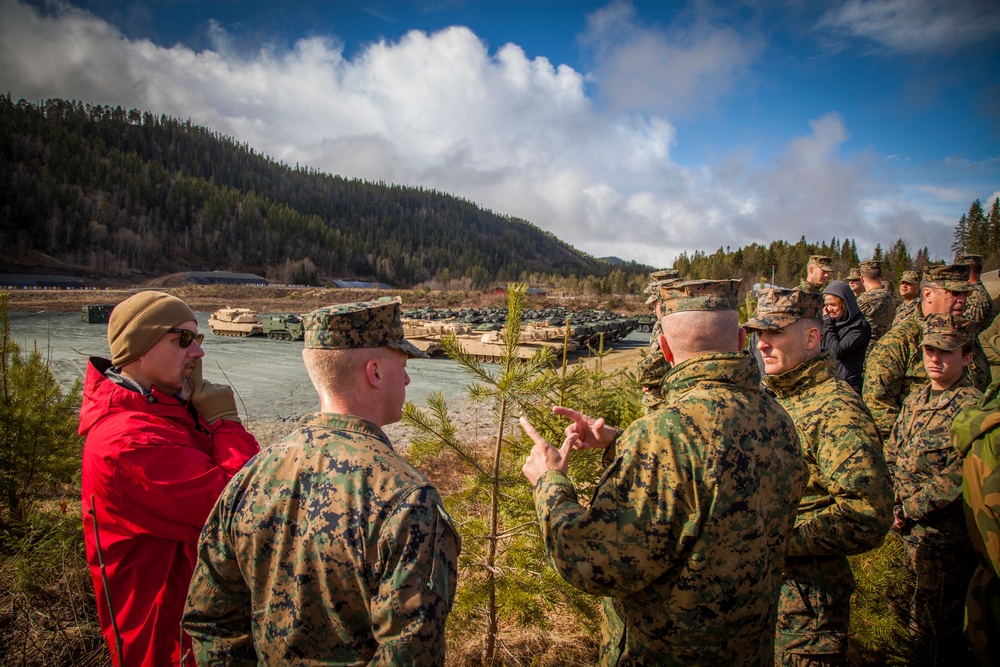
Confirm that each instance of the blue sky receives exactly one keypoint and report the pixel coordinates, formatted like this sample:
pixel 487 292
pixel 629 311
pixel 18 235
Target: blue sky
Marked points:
pixel 628 128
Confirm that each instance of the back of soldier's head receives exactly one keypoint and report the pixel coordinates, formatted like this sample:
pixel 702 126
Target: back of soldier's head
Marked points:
pixel 699 316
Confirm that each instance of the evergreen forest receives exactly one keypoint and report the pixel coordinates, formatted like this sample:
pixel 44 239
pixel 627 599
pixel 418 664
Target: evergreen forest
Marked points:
pixel 121 193
pixel 115 192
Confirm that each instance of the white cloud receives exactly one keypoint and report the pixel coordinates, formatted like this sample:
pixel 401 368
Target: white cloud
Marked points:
pixel 682 71
pixel 917 26
pixel 519 136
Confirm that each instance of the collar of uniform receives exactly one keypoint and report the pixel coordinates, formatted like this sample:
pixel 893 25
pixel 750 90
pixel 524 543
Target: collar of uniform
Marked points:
pixel 928 402
pixel 804 376
pixel 339 422
pixel 735 368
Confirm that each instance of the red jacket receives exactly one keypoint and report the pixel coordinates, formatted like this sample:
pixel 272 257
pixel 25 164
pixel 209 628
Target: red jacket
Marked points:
pixel 155 470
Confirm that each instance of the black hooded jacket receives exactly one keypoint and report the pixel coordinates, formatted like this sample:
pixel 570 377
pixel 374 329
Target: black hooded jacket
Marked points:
pixel 847 337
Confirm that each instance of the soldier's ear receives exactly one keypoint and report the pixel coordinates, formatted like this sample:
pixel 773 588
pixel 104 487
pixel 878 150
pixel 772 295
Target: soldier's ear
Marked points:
pixel 665 348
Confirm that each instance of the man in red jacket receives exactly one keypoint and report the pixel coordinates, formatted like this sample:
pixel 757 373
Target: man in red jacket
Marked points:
pixel 161 445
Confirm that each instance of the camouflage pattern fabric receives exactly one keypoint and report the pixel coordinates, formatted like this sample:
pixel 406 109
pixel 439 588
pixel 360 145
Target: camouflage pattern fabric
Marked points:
pixel 778 307
pixel 990 340
pixel 687 528
pixel 326 549
pixel 705 295
pixel 927 479
pixel 846 509
pixel 976 435
pixel 812 288
pixel 905 310
pixel 358 325
pixel 926 468
pixel 979 306
pixel 651 369
pixel 879 308
pixel 896 367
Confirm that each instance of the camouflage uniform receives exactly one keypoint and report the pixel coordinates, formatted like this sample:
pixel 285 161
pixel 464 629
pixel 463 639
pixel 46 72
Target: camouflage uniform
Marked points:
pixel 928 482
pixel 687 529
pixel 846 508
pixel 822 262
pixel 976 434
pixel 896 367
pixel 990 340
pixel 651 368
pixel 328 548
pixel 979 306
pixel 878 307
pixel 847 505
pixel 905 310
pixel 344 544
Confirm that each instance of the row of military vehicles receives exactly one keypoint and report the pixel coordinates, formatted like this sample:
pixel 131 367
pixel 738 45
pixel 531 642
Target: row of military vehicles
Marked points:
pixel 478 331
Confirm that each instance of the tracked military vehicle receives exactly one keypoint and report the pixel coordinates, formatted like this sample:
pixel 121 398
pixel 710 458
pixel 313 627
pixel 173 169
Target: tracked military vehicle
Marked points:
pixel 282 326
pixel 240 322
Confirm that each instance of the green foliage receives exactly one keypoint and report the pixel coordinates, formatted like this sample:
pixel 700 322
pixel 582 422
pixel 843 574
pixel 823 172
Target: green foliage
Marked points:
pixel 39 445
pixel 883 584
pixel 504 577
pixel 978 233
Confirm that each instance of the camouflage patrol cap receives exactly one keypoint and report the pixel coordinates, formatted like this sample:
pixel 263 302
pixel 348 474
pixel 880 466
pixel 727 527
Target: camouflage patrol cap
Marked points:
pixel 664 274
pixel 911 277
pixel 779 306
pixel 821 261
pixel 653 289
pixel 707 295
pixel 948 332
pixel 853 276
pixel 954 277
pixel 975 261
pixel 358 325
pixel 871 265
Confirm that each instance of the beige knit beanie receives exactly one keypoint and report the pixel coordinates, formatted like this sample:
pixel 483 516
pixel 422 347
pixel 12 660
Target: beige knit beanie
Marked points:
pixel 140 321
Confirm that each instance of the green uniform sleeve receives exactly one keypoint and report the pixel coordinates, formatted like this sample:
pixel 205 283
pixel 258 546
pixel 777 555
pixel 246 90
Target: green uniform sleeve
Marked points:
pixel 418 551
pixel 858 511
pixel 598 549
pixel 939 492
pixel 218 612
pixel 885 371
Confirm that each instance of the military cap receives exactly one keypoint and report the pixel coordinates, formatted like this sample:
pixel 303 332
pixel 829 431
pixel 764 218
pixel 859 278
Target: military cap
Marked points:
pixel 653 289
pixel 853 275
pixel 911 277
pixel 948 332
pixel 707 295
pixel 778 307
pixel 975 261
pixel 954 277
pixel 821 261
pixel 358 325
pixel 871 265
pixel 664 274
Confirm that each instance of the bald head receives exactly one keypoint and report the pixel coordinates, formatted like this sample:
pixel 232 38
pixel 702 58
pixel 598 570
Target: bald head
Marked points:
pixel 694 332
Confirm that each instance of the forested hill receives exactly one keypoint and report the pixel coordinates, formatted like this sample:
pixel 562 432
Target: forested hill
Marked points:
pixel 115 192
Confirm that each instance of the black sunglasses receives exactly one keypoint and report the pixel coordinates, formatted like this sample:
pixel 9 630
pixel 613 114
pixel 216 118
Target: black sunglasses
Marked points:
pixel 187 336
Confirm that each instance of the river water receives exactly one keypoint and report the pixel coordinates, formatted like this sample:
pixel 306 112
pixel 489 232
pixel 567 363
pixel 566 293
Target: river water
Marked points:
pixel 268 375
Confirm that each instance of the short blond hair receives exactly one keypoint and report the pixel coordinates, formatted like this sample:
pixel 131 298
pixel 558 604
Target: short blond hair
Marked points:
pixel 694 332
pixel 337 371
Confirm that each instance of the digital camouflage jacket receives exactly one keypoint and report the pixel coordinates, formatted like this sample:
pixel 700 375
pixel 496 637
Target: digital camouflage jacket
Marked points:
pixel 927 469
pixel 976 435
pixel 905 310
pixel 896 367
pixel 846 508
pixel 327 549
pixel 878 307
pixel 979 306
pixel 847 505
pixel 688 527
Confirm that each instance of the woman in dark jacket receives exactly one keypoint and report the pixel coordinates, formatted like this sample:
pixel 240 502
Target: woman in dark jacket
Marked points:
pixel 845 332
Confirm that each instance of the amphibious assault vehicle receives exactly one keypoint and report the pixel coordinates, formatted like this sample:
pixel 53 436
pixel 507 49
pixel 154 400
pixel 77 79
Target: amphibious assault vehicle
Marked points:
pixel 282 326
